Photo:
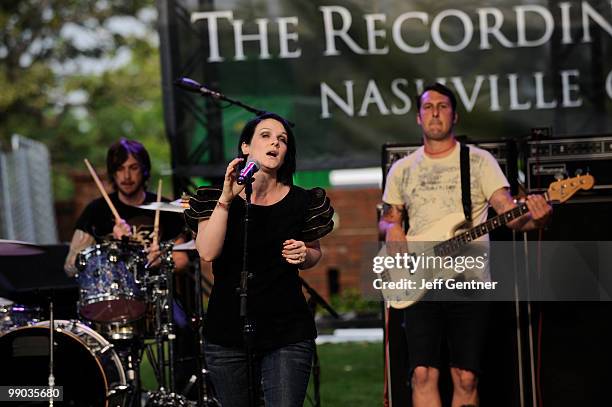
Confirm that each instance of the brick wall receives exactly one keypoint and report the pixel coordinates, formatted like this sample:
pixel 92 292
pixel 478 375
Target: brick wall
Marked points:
pixel 85 191
pixel 343 247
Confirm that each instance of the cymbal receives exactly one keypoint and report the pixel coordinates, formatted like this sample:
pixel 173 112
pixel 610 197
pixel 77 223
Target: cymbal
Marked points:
pixel 18 248
pixel 174 206
pixel 187 246
pixel 5 302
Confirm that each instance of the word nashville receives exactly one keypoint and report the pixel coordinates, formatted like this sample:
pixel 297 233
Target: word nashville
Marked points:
pixel 412 263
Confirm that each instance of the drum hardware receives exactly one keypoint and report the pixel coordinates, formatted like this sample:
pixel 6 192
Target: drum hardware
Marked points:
pixel 51 380
pixel 115 391
pixel 130 354
pixel 190 383
pixel 164 398
pixel 16 315
pixel 163 300
pixel 19 248
pixel 124 330
pixel 205 397
pixel 131 374
pixel 105 349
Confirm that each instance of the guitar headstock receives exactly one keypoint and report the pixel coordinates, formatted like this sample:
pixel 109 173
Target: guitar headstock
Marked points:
pixel 564 189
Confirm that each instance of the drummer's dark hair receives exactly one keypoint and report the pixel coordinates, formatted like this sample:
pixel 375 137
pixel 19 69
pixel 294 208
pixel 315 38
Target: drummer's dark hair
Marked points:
pixel 118 154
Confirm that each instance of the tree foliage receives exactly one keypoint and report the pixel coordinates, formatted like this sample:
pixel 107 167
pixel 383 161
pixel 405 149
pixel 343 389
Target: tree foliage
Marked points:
pixel 78 75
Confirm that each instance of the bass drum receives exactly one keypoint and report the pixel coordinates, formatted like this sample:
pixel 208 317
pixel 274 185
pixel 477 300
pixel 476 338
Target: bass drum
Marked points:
pixel 85 364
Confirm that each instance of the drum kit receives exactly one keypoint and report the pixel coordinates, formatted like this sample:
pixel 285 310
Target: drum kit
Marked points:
pixel 125 309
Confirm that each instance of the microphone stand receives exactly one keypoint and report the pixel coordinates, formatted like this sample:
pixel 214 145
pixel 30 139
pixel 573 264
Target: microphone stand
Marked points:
pixel 51 382
pixel 248 326
pixel 221 96
pixel 318 299
pixel 205 397
pixel 192 86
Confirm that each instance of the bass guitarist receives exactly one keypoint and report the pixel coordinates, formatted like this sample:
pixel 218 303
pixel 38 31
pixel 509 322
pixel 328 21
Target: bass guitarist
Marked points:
pixel 427 184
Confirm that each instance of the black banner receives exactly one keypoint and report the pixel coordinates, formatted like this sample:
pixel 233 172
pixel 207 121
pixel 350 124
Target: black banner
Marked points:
pixel 346 72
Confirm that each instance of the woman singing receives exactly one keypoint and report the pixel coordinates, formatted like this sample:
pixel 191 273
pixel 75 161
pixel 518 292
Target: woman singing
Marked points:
pixel 285 223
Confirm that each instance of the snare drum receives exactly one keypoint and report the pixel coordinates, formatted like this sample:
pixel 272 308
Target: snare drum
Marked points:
pixel 109 281
pixel 85 364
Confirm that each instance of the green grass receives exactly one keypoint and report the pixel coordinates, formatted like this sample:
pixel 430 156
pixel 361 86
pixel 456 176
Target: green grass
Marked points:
pixel 147 376
pixel 351 375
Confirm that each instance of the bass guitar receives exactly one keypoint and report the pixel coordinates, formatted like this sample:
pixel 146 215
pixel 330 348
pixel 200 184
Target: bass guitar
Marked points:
pixel 406 283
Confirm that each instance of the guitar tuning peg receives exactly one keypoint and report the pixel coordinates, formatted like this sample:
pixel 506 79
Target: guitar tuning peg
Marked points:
pixel 559 176
pixel 578 172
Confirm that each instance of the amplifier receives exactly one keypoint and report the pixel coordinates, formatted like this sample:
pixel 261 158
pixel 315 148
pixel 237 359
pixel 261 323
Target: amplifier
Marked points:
pixel 393 152
pixel 503 151
pixel 555 158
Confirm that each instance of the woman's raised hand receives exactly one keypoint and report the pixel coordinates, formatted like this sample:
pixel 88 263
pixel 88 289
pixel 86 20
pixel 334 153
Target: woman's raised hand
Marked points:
pixel 230 186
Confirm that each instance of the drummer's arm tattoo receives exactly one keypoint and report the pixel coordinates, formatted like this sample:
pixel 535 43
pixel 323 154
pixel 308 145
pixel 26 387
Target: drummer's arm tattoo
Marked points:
pixel 80 240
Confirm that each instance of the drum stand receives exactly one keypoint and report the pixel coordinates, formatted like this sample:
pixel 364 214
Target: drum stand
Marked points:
pixel 131 356
pixel 51 329
pixel 205 396
pixel 163 298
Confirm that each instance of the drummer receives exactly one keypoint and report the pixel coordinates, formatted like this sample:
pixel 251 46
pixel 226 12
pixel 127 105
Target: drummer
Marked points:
pixel 129 168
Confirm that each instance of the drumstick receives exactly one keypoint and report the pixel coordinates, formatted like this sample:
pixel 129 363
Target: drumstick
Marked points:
pixel 102 191
pixel 156 224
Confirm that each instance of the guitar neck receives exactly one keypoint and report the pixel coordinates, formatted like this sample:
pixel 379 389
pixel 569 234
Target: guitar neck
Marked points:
pixel 451 245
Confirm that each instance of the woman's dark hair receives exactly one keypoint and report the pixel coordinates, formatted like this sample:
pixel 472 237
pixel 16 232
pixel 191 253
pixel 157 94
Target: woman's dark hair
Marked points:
pixel 118 154
pixel 285 172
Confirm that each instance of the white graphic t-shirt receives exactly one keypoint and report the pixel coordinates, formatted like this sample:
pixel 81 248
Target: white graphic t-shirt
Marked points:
pixel 430 188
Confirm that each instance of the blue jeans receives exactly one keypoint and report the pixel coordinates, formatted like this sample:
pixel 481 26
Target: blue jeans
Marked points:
pixel 283 374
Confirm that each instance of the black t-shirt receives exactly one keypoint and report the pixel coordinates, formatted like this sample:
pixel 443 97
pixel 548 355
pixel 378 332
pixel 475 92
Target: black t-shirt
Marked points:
pixel 98 220
pixel 275 299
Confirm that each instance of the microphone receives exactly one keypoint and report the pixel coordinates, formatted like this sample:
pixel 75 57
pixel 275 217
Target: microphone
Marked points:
pixel 246 174
pixel 190 85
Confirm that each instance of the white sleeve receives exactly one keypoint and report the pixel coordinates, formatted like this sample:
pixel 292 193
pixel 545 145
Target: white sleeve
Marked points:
pixel 393 187
pixel 491 176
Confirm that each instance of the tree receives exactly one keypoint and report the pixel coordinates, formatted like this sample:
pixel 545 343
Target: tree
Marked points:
pixel 78 76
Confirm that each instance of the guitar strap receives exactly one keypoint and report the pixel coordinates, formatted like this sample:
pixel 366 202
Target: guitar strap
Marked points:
pixel 466 197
